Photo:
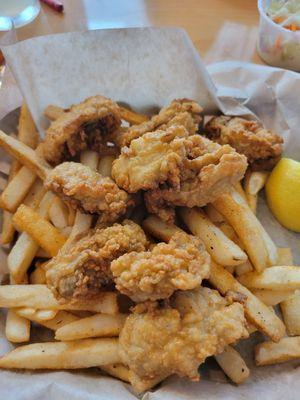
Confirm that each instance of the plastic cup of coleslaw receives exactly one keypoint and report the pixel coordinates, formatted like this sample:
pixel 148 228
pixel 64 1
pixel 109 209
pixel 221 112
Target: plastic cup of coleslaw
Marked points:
pixel 277 46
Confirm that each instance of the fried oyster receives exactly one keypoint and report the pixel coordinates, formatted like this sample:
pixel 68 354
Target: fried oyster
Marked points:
pixel 181 264
pixel 88 191
pixel 85 125
pixel 157 342
pixel 180 112
pixel 262 147
pixel 83 270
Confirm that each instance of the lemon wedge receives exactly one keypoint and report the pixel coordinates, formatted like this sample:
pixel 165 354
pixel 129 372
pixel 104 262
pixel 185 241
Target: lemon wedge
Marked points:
pixel 283 193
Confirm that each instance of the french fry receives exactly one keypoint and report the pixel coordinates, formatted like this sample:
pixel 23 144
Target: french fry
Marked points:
pixel 27 132
pixel 213 214
pixel 272 297
pixel 14 193
pixel 25 248
pixel 105 165
pixel 259 246
pixel 99 325
pixel 43 315
pixel 233 365
pixel 243 268
pixel 256 312
pixel 220 247
pixel 45 204
pixel 286 349
pixel 285 256
pixel 8 229
pixel 239 189
pixel 17 328
pixel 35 194
pixel 61 318
pixel 21 256
pixel 252 201
pixel 90 159
pixel 143 385
pixel 40 297
pixel 160 229
pixel 255 181
pixel 41 231
pixel 273 278
pixel 132 117
pixel 25 155
pixel 228 231
pixel 119 371
pixel 82 224
pixel 38 276
pixel 53 112
pixel 60 355
pixel 290 309
pixel 59 213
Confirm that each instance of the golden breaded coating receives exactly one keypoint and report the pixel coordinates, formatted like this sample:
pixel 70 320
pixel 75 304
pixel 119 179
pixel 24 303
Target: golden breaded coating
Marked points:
pixel 207 171
pixel 158 342
pixel 181 264
pixel 262 147
pixel 154 158
pixel 83 270
pixel 182 111
pixel 85 125
pixel 88 191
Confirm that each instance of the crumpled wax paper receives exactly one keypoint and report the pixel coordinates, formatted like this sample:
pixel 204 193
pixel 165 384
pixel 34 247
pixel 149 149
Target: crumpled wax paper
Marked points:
pixel 146 68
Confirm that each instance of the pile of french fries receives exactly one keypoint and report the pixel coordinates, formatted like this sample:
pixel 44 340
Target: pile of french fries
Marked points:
pixel 246 264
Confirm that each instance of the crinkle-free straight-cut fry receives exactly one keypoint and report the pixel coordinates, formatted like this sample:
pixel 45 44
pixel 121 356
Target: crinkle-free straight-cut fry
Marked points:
pixel 259 246
pixel 290 309
pixel 16 190
pixel 254 181
pixel 61 318
pixel 58 213
pixel 41 230
pixel 21 256
pixel 25 248
pixel 40 297
pixel 233 365
pixel 286 349
pixel 272 297
pixel 99 325
pixel 222 250
pixel 84 353
pixel 273 278
pixel 160 229
pixel 27 132
pixel 17 328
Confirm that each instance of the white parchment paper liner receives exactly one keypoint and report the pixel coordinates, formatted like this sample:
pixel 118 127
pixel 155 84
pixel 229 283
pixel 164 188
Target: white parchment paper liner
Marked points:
pixel 147 68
